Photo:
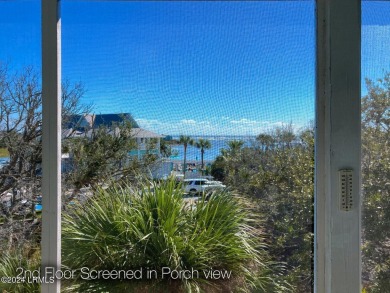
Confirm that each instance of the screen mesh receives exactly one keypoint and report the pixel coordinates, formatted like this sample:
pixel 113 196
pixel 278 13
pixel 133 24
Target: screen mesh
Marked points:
pixel 187 144
pixel 20 136
pixel 375 146
pixel 218 96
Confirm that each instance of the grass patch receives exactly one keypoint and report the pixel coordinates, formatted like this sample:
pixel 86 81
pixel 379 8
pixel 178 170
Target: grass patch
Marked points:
pixel 4 152
pixel 10 264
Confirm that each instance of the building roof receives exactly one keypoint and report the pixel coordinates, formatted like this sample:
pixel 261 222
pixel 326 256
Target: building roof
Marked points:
pixel 88 121
pixel 138 133
pixel 135 133
pixel 83 125
pixel 143 133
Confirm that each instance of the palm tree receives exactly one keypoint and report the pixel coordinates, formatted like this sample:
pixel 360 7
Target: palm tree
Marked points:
pixel 285 136
pixel 266 141
pixel 235 146
pixel 104 224
pixel 202 144
pixel 231 157
pixel 185 141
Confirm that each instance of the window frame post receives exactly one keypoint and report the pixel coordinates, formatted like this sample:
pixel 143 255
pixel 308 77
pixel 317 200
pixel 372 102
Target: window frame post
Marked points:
pixel 337 264
pixel 51 142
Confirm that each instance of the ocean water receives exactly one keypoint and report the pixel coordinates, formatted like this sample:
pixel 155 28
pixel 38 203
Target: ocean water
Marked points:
pixel 3 161
pixel 193 153
pixel 217 143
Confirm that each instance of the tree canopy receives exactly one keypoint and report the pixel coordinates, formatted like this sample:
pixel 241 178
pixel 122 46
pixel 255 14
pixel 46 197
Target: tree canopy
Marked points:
pixel 376 185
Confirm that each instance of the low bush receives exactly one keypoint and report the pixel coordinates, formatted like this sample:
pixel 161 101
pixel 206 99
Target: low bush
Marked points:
pixel 154 229
pixel 16 265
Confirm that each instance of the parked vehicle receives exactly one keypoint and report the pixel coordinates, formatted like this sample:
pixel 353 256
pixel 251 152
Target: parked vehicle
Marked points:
pixel 200 185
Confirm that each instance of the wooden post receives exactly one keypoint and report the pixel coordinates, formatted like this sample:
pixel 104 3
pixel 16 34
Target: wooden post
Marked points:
pixel 337 232
pixel 51 108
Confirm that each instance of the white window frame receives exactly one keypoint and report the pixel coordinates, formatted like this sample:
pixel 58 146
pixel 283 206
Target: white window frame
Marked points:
pixel 51 141
pixel 337 264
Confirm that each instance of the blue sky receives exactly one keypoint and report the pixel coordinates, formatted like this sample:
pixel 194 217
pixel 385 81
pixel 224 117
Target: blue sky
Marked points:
pixel 198 68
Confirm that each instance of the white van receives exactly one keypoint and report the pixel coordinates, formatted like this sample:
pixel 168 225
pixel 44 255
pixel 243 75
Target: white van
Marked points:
pixel 200 185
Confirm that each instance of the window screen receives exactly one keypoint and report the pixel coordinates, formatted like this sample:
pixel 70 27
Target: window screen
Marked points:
pixel 159 93
pixel 375 146
pixel 169 91
pixel 20 141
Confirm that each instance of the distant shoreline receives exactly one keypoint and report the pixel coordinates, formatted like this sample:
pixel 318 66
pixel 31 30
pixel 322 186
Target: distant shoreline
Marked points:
pixel 181 161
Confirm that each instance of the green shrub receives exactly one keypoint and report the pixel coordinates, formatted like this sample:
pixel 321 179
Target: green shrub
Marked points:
pixel 125 228
pixel 277 172
pixel 10 264
pixel 3 151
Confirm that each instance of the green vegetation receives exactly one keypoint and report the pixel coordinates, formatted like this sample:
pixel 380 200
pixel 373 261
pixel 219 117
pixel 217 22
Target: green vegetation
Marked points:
pixel 100 156
pixel 4 152
pixel 185 141
pixel 202 144
pixel 276 172
pixel 21 121
pixel 127 228
pixel 376 186
pixel 10 261
pixel 166 148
